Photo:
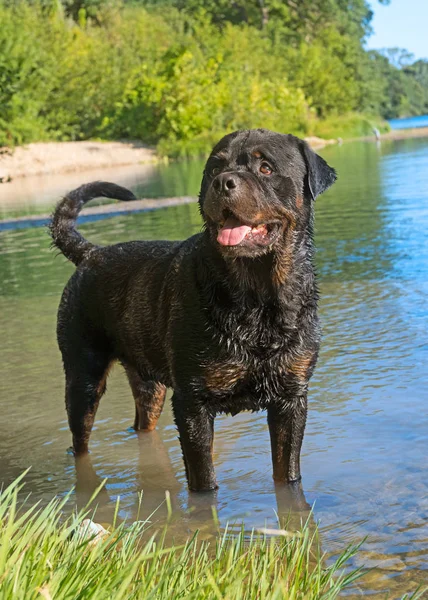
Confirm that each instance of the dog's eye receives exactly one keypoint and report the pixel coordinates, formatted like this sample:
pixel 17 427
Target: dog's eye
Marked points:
pixel 265 169
pixel 215 171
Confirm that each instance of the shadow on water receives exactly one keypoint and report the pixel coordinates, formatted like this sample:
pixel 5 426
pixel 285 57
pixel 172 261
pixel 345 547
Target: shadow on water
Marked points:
pixel 364 454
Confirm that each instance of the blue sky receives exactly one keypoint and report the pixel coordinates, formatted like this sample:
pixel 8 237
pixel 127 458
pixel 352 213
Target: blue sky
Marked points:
pixel 402 24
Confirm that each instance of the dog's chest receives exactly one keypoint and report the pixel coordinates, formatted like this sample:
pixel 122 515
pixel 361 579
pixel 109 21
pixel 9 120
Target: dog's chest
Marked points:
pixel 252 358
pixel 223 376
pixel 252 375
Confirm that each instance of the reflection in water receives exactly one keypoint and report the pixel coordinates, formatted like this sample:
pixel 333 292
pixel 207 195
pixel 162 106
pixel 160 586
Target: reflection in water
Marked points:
pixel 38 194
pixel 364 454
pixel 155 472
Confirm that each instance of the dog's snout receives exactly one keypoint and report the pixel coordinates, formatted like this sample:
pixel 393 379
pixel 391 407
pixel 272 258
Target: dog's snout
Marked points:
pixel 225 182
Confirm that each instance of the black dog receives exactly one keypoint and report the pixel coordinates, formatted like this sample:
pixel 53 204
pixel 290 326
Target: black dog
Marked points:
pixel 227 318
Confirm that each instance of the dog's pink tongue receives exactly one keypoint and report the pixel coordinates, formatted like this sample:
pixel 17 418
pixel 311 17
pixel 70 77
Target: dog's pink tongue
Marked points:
pixel 232 233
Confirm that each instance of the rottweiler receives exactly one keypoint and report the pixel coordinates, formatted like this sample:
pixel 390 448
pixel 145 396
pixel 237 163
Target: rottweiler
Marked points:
pixel 227 318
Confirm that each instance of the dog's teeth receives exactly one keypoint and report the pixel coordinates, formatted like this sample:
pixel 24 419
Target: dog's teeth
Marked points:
pixel 259 229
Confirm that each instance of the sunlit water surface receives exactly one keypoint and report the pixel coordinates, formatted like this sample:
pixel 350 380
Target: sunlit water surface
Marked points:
pixel 364 454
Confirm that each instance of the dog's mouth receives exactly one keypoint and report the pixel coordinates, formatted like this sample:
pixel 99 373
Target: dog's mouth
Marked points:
pixel 233 231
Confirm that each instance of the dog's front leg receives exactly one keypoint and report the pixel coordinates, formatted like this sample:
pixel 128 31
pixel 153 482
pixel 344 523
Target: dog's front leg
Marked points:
pixel 196 430
pixel 287 420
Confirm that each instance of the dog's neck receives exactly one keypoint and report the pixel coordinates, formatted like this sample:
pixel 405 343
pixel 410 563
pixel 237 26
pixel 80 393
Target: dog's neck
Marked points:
pixel 256 305
pixel 269 279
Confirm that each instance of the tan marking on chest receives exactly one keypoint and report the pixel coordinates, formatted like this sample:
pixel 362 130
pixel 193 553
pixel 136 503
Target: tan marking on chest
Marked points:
pixel 222 377
pixel 301 366
pixel 284 261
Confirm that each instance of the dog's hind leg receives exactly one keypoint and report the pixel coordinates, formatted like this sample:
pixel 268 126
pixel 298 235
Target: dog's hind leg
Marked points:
pixel 85 384
pixel 149 399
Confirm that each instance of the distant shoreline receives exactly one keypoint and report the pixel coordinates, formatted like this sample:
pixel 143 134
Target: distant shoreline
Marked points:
pixel 394 134
pixel 45 158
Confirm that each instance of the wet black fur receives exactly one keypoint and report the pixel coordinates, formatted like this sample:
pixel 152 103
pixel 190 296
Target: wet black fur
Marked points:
pixel 228 328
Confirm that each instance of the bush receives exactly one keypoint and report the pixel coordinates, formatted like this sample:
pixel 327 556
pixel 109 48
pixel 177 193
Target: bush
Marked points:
pixel 30 46
pixel 197 91
pixel 348 126
pixel 180 81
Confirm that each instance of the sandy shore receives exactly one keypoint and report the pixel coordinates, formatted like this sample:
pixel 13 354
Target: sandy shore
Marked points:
pixel 63 157
pixel 66 157
pixel 317 143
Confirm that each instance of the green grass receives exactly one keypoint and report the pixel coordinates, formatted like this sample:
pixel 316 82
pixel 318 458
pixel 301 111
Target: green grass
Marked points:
pixel 346 126
pixel 42 557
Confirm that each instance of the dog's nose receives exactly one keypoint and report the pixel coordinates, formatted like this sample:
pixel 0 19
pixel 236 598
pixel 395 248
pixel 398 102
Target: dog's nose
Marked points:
pixel 225 182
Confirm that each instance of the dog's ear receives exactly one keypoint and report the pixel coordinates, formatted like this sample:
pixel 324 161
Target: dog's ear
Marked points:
pixel 319 175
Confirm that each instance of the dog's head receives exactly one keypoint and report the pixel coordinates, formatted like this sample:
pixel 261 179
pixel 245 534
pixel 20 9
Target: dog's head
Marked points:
pixel 258 185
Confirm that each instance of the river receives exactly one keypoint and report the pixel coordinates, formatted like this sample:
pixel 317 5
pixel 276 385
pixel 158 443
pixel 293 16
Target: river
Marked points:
pixel 364 455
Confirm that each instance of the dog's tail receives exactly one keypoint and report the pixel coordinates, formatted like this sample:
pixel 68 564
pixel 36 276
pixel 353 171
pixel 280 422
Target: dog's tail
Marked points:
pixel 62 225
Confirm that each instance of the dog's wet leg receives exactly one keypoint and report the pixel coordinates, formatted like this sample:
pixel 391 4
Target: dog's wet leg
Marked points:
pixel 196 432
pixel 286 426
pixel 149 399
pixel 85 384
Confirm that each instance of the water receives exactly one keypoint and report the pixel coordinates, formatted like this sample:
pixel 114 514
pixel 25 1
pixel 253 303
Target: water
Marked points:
pixel 409 122
pixel 37 195
pixel 364 453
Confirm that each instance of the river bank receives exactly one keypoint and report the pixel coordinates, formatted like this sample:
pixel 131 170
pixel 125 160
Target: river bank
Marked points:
pixel 62 157
pixel 395 134
pixel 65 157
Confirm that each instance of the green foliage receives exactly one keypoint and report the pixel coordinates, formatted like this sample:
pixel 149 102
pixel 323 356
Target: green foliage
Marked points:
pixel 46 555
pixel 206 85
pixel 181 74
pixel 97 10
pixel 418 74
pixel 301 19
pixel 327 78
pixel 29 47
pixel 401 88
pixel 351 125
